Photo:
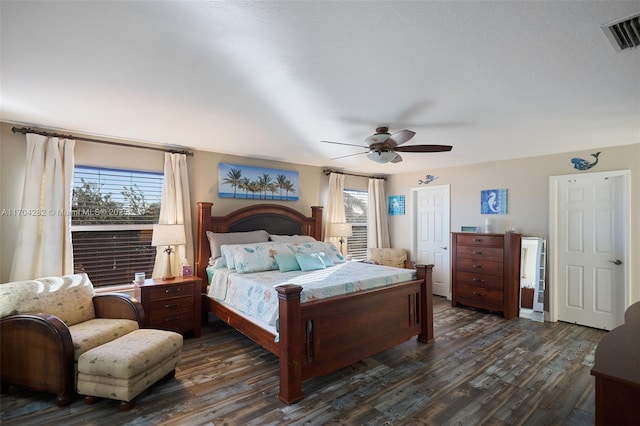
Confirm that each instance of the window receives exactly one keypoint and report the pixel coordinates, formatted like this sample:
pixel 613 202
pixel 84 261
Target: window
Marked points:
pixel 355 209
pixel 112 217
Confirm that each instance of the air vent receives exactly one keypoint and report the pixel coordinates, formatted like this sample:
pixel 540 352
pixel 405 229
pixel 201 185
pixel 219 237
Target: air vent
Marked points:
pixel 625 33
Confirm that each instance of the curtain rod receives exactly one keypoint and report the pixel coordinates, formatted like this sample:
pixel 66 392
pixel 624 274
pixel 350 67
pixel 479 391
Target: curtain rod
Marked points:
pixel 327 172
pixel 25 130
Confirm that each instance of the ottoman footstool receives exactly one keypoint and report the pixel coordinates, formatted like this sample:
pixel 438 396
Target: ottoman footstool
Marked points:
pixel 128 365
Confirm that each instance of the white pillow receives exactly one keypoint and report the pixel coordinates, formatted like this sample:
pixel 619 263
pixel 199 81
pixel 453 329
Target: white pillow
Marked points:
pixel 257 257
pixel 316 246
pixel 291 238
pixel 218 239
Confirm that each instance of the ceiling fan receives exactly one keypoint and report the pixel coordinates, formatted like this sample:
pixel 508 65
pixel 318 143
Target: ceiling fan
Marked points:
pixel 383 147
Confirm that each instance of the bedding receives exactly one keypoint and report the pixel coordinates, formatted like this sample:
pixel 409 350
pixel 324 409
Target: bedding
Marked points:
pixel 254 296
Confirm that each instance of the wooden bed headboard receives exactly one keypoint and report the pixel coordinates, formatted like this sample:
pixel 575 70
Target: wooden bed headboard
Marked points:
pixel 273 218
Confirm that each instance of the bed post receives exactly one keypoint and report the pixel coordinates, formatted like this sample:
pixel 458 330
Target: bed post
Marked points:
pixel 204 222
pixel 290 343
pixel 425 273
pixel 316 214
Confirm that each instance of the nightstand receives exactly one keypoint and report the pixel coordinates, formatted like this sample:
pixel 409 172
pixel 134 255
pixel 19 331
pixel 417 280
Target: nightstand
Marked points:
pixel 172 305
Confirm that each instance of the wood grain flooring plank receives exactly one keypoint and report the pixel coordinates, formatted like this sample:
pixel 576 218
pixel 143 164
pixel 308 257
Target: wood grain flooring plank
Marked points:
pixel 481 369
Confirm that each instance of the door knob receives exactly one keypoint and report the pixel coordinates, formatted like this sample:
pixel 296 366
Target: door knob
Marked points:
pixel 443 248
pixel 616 262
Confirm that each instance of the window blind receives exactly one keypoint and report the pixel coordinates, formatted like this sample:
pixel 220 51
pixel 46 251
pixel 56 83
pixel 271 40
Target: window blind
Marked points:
pixel 355 208
pixel 113 212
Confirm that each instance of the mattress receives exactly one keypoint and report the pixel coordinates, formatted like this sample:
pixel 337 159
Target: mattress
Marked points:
pixel 254 296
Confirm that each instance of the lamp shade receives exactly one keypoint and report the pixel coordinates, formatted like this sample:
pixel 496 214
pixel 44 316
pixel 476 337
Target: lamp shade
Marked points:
pixel 340 229
pixel 168 235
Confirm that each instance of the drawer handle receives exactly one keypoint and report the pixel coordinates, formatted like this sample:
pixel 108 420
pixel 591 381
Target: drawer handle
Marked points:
pixel 477 280
pixel 477 266
pixel 477 252
pixel 477 293
pixel 477 240
pixel 173 290
pixel 174 319
pixel 172 305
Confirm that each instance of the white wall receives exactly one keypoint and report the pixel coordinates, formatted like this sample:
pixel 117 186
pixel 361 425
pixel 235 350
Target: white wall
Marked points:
pixel 203 180
pixel 527 181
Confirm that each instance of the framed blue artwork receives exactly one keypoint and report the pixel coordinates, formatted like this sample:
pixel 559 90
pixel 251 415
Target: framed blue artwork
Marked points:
pixel 493 201
pixel 396 205
pixel 257 183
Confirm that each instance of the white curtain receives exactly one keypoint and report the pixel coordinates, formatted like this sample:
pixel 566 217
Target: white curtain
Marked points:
pixel 377 224
pixel 43 246
pixel 175 209
pixel 335 206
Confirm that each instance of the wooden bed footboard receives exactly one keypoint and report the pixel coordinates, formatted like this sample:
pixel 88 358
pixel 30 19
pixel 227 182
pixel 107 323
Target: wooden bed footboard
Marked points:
pixel 323 336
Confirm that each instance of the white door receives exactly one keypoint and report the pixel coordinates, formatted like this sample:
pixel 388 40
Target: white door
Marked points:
pixel 591 248
pixel 431 234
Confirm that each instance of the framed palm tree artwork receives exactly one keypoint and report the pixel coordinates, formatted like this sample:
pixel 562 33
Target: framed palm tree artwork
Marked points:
pixel 257 183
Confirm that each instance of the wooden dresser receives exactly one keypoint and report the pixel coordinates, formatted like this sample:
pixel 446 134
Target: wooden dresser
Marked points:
pixel 486 271
pixel 617 372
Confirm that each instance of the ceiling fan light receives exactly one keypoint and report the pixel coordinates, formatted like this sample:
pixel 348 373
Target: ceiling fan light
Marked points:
pixel 381 156
pixel 376 138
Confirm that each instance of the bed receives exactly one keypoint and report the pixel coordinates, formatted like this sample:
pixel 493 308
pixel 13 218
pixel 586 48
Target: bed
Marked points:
pixel 320 336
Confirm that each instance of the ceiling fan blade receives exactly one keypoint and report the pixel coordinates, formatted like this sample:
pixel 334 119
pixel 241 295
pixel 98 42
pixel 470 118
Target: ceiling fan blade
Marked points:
pixel 347 144
pixel 401 137
pixel 397 159
pixel 350 155
pixel 424 148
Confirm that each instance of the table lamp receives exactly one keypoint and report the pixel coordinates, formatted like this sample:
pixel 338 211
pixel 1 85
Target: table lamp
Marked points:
pixel 341 230
pixel 168 235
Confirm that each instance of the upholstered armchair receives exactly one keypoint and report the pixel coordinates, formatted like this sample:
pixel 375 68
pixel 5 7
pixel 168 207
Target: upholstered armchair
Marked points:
pixel 396 257
pixel 46 324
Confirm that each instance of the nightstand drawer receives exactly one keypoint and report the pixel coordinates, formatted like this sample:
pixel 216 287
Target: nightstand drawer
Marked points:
pixel 173 304
pixel 164 292
pixel 485 295
pixel 474 252
pixel 480 240
pixel 483 266
pixel 164 317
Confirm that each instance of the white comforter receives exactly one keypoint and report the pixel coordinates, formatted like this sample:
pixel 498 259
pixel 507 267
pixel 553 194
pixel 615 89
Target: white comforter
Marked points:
pixel 254 296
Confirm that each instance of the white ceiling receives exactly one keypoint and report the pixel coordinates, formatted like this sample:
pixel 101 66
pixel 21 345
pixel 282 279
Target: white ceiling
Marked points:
pixel 270 79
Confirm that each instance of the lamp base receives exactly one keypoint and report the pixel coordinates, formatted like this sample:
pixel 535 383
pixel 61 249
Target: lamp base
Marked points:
pixel 166 270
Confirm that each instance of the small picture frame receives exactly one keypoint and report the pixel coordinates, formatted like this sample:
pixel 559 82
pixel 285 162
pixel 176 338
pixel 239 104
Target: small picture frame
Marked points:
pixel 396 205
pixel 469 228
pixel 493 201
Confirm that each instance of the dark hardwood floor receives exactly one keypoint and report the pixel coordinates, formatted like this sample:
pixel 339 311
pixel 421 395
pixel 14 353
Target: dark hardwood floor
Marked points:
pixel 482 369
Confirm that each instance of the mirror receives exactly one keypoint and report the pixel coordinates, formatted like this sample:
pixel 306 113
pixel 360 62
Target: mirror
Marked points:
pixel 532 278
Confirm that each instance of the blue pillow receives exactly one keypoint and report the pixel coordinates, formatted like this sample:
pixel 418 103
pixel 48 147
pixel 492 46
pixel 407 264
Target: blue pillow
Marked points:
pixel 326 259
pixel 310 261
pixel 287 262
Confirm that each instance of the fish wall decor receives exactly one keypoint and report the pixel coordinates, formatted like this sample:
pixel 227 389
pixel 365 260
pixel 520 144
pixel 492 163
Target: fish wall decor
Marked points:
pixel 427 180
pixel 582 164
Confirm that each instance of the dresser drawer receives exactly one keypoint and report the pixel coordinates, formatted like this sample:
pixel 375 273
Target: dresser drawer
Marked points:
pixel 475 252
pixel 481 280
pixel 480 266
pixel 165 292
pixel 480 240
pixel 480 294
